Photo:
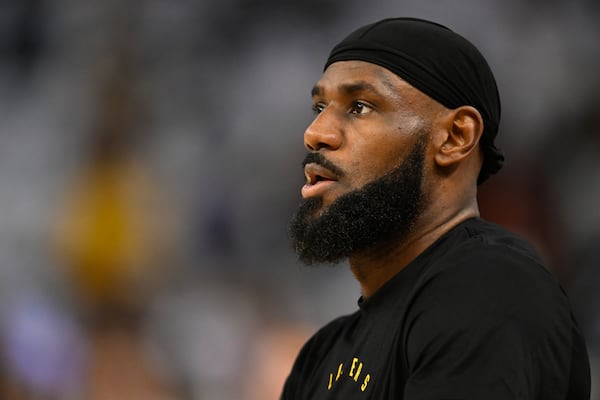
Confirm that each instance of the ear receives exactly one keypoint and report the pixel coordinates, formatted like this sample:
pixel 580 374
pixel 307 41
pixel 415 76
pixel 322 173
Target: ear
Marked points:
pixel 459 135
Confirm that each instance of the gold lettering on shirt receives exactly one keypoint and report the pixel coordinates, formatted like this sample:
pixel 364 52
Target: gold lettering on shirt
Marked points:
pixel 356 369
pixel 354 361
pixel 363 387
pixel 358 372
pixel 340 371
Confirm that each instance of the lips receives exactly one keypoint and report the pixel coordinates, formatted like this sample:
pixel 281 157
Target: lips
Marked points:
pixel 317 173
pixel 318 178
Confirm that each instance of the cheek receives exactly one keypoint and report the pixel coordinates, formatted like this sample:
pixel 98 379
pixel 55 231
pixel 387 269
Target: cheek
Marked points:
pixel 376 161
pixel 378 148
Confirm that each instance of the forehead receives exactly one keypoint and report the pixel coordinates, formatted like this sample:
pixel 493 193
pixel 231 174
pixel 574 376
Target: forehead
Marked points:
pixel 365 76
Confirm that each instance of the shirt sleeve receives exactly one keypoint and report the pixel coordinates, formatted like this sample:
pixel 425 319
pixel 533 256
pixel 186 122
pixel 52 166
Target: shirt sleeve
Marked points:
pixel 488 325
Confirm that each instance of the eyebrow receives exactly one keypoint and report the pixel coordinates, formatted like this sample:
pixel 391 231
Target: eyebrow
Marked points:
pixel 316 91
pixel 355 87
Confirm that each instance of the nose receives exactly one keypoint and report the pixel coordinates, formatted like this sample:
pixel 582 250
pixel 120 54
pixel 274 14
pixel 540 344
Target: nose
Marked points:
pixel 323 133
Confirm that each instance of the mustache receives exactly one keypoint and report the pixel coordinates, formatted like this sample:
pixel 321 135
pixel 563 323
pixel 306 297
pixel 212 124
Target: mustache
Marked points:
pixel 319 159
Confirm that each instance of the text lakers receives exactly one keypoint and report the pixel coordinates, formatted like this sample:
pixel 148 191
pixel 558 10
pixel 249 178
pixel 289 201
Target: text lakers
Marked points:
pixel 353 371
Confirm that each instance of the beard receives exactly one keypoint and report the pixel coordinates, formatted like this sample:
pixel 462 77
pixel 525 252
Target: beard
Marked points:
pixel 382 211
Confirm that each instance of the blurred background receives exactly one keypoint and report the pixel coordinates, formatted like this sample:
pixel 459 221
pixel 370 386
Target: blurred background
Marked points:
pixel 150 158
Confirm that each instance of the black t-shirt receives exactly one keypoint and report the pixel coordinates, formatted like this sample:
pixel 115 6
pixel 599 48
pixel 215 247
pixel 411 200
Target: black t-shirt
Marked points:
pixel 475 316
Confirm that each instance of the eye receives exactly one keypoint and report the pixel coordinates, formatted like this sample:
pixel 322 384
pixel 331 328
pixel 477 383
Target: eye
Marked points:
pixel 318 108
pixel 360 108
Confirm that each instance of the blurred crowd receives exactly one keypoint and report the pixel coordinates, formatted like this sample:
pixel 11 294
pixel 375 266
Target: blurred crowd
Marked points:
pixel 150 160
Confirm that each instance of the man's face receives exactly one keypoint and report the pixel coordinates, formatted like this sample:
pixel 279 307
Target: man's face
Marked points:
pixel 365 168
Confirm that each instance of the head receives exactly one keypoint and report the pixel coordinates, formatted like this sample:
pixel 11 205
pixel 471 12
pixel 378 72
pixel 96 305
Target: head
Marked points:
pixel 406 115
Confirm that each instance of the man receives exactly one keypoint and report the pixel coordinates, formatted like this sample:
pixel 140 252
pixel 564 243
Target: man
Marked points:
pixel 452 307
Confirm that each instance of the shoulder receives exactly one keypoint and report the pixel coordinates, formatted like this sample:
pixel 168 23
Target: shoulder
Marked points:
pixel 486 279
pixel 487 310
pixel 489 283
pixel 492 270
pixel 320 343
pixel 482 252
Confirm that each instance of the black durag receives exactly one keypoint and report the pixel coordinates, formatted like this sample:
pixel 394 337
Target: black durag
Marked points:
pixel 438 62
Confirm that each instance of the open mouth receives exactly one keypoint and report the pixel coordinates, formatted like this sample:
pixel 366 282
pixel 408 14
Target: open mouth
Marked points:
pixel 318 178
pixel 316 173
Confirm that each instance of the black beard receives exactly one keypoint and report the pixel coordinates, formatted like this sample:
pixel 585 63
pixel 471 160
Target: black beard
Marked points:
pixel 382 211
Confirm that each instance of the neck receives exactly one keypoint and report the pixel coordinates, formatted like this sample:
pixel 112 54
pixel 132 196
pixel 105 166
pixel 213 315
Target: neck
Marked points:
pixel 374 266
